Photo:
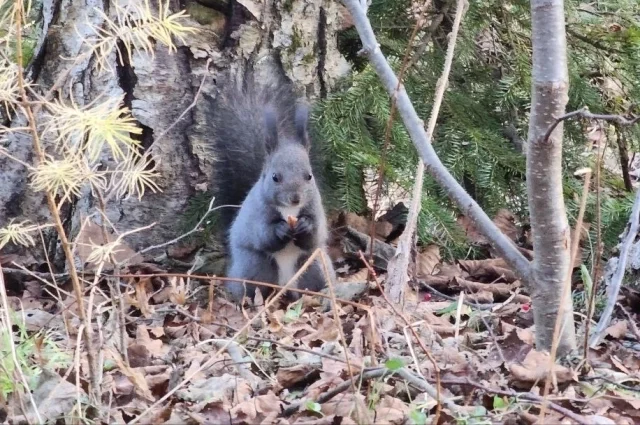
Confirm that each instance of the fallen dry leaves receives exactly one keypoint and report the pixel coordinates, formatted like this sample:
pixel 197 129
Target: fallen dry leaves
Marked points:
pixel 293 355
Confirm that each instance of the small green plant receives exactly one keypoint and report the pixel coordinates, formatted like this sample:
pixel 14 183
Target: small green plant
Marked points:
pixel 293 312
pixel 314 407
pixel 394 364
pixel 34 353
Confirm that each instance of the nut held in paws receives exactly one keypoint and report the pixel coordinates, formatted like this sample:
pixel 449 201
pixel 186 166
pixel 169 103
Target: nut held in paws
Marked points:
pixel 292 221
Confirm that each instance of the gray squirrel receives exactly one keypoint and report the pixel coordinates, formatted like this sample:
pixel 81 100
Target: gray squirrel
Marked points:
pixel 262 150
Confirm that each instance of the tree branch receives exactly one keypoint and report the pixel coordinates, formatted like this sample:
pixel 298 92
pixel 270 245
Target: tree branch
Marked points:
pixel 397 269
pixel 584 113
pixel 434 166
pixel 616 280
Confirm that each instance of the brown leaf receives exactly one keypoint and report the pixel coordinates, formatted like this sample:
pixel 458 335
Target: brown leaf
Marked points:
pixel 361 224
pixel 289 376
pixel 155 346
pixel 134 376
pixel 391 410
pixel 488 270
pixel 345 406
pixel 255 409
pixel 91 235
pixel 535 368
pixel 427 260
pixel 383 229
pixel 618 329
pixel 505 220
pixel 470 231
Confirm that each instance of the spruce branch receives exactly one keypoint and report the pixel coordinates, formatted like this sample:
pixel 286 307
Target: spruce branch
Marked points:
pixel 422 143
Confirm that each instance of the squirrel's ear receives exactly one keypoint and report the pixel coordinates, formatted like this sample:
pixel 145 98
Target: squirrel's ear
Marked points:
pixel 271 126
pixel 301 122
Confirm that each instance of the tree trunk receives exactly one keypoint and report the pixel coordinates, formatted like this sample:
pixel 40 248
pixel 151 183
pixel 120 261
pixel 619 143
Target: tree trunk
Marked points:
pixel 544 175
pixel 295 38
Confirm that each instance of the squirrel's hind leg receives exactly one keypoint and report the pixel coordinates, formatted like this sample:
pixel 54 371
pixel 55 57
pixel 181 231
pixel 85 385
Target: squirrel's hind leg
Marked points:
pixel 249 265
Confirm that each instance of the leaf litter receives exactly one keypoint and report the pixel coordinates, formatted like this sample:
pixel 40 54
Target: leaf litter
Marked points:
pixel 466 332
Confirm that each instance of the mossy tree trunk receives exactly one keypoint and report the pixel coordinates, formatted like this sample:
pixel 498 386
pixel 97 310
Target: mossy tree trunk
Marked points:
pixel 295 38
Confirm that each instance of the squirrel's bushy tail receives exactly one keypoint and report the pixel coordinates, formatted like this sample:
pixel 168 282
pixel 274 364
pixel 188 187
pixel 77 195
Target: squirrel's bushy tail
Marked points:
pixel 239 138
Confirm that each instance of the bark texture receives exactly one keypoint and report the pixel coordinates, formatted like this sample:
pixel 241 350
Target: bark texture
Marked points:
pixel 549 223
pixel 296 39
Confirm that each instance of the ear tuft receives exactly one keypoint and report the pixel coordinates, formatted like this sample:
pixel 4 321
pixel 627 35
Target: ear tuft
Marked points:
pixel 271 127
pixel 301 122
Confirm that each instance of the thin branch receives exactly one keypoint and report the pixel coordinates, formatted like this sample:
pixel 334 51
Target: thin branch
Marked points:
pixel 191 106
pixel 584 113
pixel 426 39
pixel 4 302
pixel 361 409
pixel 434 166
pixel 616 280
pixel 196 228
pixel 529 396
pixel 433 392
pixel 398 277
pixel 597 258
pixel 387 135
pixel 324 397
pixel 66 244
pixel 566 293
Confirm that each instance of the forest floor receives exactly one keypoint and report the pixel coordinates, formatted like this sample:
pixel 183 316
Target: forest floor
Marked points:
pixel 460 350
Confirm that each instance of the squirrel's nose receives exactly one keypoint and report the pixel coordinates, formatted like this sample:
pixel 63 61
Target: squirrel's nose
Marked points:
pixel 295 199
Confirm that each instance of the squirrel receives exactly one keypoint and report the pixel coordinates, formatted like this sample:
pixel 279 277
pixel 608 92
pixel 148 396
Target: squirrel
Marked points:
pixel 263 164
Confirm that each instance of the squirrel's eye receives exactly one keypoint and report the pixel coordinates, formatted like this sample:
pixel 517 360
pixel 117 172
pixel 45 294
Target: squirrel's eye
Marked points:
pixel 275 177
pixel 308 177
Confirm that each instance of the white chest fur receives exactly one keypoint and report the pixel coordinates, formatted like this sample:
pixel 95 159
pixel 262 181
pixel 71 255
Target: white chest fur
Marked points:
pixel 287 258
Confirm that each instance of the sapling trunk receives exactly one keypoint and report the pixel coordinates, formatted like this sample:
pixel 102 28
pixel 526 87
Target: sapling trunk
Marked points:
pixel 550 228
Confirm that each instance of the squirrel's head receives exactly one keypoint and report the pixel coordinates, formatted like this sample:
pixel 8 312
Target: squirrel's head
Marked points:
pixel 287 177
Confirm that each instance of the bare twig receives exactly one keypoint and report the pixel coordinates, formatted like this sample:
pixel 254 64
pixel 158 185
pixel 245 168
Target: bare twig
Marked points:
pixel 433 392
pixel 584 113
pixel 595 274
pixel 566 293
pixel 361 410
pixel 616 280
pixel 234 351
pixel 195 229
pixel 426 38
pixel 4 302
pixel 434 166
pixel 397 274
pixel 66 244
pixel 387 134
pixel 631 321
pixel 324 397
pixel 191 106
pixel 531 397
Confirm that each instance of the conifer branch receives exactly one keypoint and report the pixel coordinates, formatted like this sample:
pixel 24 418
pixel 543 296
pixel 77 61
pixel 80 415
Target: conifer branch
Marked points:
pixel 434 166
pixel 66 244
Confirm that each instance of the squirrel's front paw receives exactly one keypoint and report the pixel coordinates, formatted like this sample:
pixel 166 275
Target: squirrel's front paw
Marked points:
pixel 283 231
pixel 304 226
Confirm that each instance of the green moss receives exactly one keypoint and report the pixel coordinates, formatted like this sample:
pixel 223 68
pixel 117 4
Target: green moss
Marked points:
pixel 287 5
pixel 309 58
pixel 296 40
pixel 203 15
